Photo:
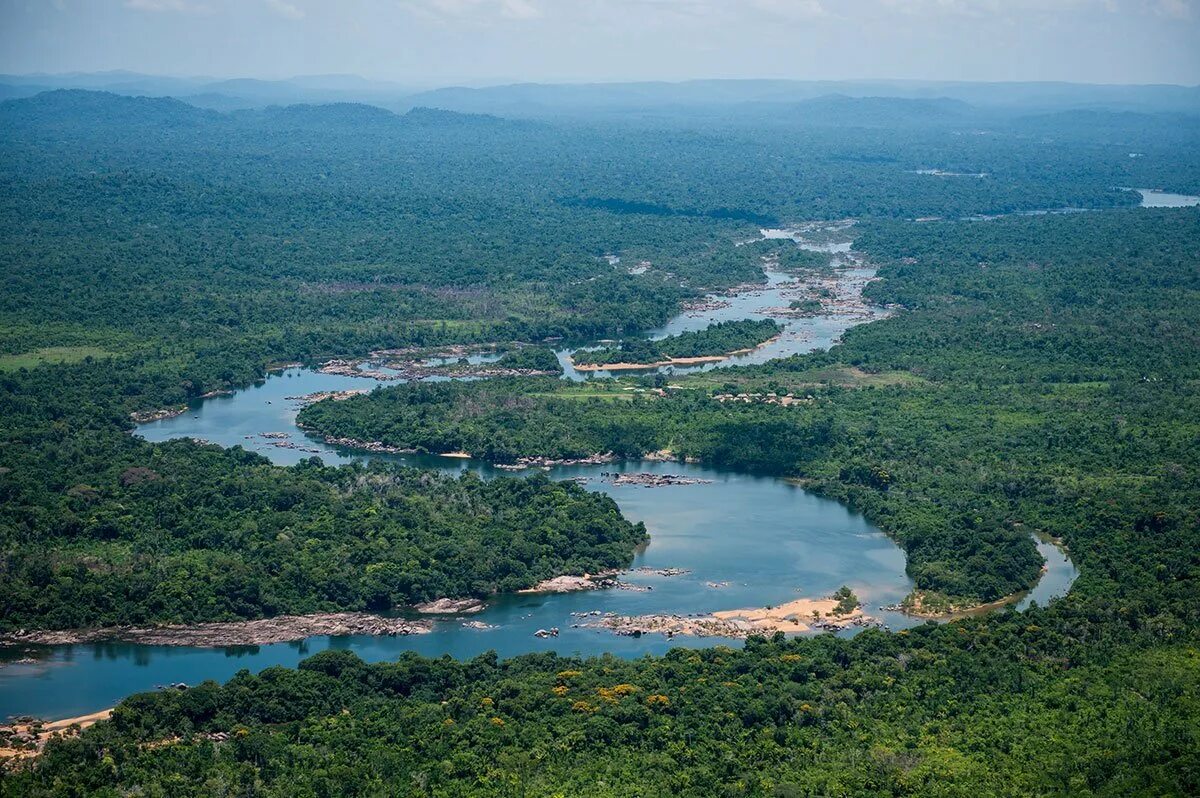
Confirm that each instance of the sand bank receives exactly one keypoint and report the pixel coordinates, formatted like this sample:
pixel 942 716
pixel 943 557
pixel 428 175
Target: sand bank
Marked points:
pixel 674 361
pixel 29 738
pixel 800 615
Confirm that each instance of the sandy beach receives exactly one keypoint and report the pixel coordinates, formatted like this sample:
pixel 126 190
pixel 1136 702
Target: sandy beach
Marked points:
pixel 793 617
pixel 800 615
pixel 674 361
pixel 45 732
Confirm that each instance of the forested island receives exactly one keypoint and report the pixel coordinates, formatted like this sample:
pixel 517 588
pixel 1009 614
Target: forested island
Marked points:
pixel 1039 375
pixel 192 534
pixel 715 342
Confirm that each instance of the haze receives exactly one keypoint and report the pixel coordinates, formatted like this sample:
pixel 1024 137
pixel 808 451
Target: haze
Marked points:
pixel 434 42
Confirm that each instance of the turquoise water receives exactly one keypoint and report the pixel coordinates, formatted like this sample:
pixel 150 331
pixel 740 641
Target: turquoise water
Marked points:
pixel 746 541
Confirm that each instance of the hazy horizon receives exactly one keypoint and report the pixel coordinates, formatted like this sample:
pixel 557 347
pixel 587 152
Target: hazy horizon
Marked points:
pixel 428 43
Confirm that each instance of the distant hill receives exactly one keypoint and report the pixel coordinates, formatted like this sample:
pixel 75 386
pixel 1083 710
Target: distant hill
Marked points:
pixel 438 117
pixel 339 114
pixel 688 98
pixel 692 96
pixel 838 109
pixel 79 108
pixel 85 112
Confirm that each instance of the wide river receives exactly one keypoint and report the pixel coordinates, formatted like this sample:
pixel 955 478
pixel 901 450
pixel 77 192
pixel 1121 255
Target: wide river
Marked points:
pixel 745 541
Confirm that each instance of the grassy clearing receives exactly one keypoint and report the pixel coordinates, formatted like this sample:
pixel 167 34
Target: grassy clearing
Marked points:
pixel 843 376
pixel 51 354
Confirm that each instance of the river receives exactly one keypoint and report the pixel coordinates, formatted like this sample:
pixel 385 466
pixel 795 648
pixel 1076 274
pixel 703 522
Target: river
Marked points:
pixel 745 541
pixel 1152 198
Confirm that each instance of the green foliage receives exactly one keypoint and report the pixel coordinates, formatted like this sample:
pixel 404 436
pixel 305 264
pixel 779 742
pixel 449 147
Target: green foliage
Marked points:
pixel 1041 376
pixel 1042 412
pixel 847 602
pixel 976 708
pixel 721 338
pixel 186 533
pixel 532 358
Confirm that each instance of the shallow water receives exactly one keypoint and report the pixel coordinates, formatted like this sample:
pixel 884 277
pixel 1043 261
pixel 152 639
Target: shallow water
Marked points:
pixel 1164 199
pixel 799 335
pixel 763 540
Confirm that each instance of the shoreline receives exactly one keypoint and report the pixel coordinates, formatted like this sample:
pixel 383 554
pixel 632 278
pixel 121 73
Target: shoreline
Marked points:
pixel 793 617
pixel 219 634
pixel 913 607
pixel 37 733
pixel 673 361
pixel 621 366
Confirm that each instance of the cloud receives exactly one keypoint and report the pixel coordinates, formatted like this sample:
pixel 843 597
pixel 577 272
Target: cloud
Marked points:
pixel 172 6
pixel 1175 9
pixel 285 9
pixel 987 8
pixel 157 5
pixel 790 9
pixel 475 9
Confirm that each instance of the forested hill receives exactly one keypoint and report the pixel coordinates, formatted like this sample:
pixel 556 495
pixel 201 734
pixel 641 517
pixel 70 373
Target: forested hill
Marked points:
pixel 82 112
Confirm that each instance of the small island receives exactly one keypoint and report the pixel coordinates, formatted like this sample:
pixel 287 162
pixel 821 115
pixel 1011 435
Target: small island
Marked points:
pixel 710 345
pixel 842 610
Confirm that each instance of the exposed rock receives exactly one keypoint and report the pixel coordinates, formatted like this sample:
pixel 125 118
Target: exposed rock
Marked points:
pixel 366 446
pixel 147 416
pixel 550 462
pixel 480 625
pixel 661 571
pixel 647 480
pixel 449 606
pixel 574 584
pixel 280 629
pixel 320 396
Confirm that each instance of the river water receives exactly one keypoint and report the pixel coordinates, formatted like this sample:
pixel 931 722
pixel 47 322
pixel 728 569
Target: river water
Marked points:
pixel 1164 199
pixel 745 541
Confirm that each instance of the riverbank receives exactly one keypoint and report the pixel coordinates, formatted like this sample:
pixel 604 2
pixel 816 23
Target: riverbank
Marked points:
pixel 671 361
pixel 793 617
pixel 264 631
pixel 27 738
pixel 931 606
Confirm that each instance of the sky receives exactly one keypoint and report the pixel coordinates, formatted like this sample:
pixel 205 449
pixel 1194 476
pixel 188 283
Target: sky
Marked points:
pixel 437 42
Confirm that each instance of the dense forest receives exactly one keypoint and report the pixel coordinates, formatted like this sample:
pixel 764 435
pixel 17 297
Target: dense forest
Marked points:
pixel 722 338
pixel 1041 376
pixel 185 536
pixel 1010 706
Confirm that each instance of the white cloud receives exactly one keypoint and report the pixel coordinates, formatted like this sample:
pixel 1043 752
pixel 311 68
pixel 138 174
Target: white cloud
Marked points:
pixel 156 5
pixel 475 9
pixel 285 9
pixel 1175 9
pixel 173 6
pixel 790 9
